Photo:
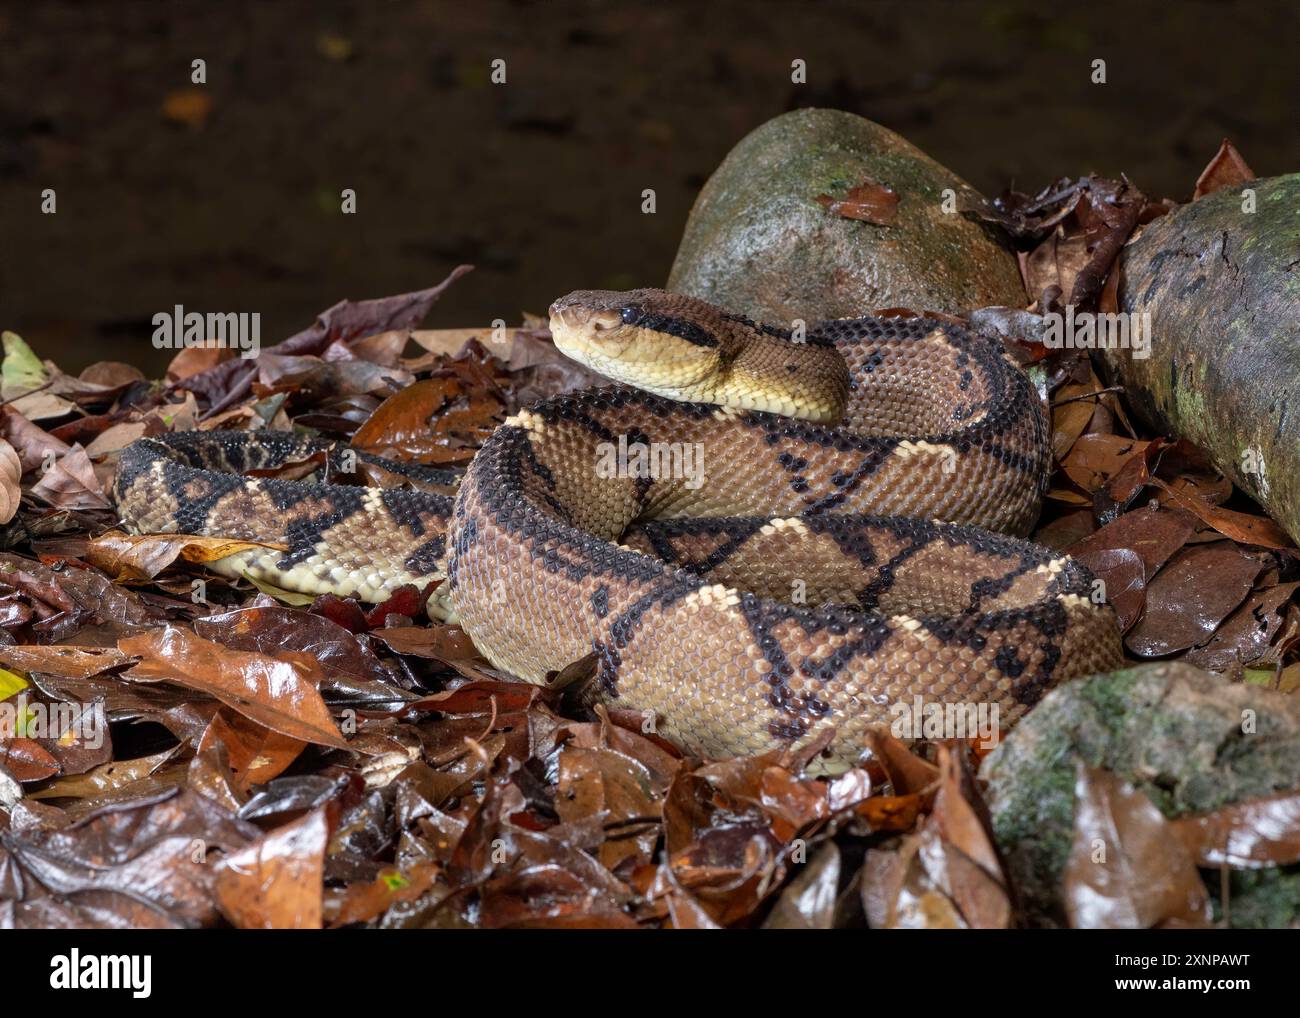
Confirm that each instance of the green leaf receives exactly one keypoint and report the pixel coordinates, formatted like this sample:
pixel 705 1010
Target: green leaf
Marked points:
pixel 395 880
pixel 22 370
pixel 10 683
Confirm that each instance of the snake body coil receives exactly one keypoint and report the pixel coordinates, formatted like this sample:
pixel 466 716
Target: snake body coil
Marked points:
pixel 749 578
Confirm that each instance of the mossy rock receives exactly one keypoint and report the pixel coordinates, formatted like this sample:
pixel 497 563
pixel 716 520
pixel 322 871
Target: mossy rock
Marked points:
pixel 1173 731
pixel 1220 280
pixel 757 241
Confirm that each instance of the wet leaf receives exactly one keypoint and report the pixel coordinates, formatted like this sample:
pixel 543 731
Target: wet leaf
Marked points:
pixel 108 777
pixel 254 753
pixel 273 630
pixel 26 759
pixel 279 693
pixel 1190 597
pixel 1153 534
pixel 275 883
pixel 808 901
pixel 1123 576
pixel 1127 867
pixel 868 202
pixel 1245 835
pixel 363 902
pixel 1247 633
pixel 156 852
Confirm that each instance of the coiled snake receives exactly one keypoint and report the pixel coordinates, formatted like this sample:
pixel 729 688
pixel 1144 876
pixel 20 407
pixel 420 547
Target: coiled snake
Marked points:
pixel 713 555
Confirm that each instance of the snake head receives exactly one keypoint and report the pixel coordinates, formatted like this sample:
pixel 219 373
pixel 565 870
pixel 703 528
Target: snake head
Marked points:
pixel 651 339
pixel 689 350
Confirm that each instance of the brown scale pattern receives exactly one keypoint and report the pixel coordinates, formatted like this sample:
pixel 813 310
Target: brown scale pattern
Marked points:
pixel 800 585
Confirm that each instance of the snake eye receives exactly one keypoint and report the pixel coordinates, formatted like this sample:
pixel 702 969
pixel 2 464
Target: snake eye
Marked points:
pixel 630 315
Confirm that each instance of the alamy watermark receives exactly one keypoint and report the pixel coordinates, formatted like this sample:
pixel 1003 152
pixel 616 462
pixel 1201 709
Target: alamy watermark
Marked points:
pixel 77 971
pixel 935 720
pixel 21 718
pixel 654 460
pixel 1102 330
pixel 179 329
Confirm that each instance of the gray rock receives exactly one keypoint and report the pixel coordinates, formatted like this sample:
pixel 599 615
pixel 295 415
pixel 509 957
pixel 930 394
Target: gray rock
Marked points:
pixel 757 241
pixel 1172 730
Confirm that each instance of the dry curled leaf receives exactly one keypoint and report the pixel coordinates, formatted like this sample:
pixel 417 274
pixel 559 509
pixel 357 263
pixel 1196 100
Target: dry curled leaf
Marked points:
pixel 11 473
pixel 1226 169
pixel 144 556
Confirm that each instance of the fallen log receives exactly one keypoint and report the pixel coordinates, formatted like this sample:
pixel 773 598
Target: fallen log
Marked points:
pixel 1220 279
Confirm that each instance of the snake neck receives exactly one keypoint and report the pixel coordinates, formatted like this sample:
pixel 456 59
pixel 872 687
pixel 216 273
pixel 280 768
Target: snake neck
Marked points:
pixel 786 377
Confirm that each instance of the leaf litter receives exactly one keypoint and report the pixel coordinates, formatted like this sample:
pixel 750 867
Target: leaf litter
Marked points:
pixel 276 761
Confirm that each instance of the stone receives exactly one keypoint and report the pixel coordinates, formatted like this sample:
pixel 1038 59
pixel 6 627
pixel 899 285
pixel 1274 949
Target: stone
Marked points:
pixel 1173 731
pixel 757 242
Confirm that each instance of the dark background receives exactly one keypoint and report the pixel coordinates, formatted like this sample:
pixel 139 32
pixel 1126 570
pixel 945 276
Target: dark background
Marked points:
pixel 539 181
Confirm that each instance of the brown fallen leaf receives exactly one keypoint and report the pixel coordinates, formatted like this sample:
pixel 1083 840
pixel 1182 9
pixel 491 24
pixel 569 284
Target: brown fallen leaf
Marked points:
pixel 254 753
pixel 74 662
pixel 1056 261
pixel 32 442
pixel 439 421
pixel 616 788
pixel 1153 534
pixel 868 202
pixel 1245 835
pixel 1072 409
pixel 912 886
pixel 113 374
pixel 25 759
pixel 156 851
pixel 906 771
pixel 11 473
pixel 359 903
pixel 808 901
pixel 1247 633
pixel 144 556
pixel 280 693
pixel 116 438
pixel 1226 169
pixel 437 642
pixel 1241 527
pixel 70 483
pixel 1095 459
pixel 1190 597
pixel 276 882
pixel 1123 577
pixel 1127 868
pixel 108 777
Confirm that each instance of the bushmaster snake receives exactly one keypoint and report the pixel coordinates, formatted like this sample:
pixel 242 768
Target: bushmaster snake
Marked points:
pixel 703 538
